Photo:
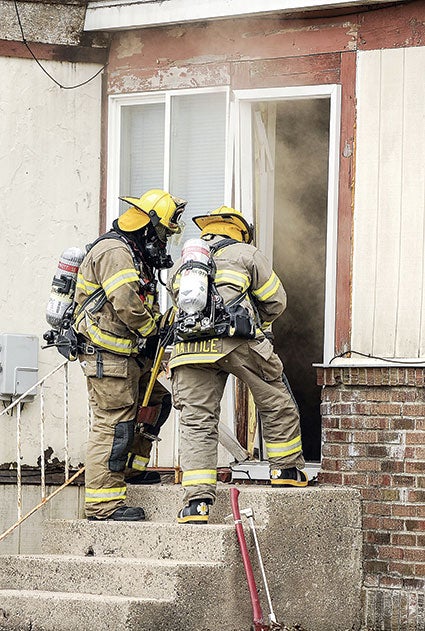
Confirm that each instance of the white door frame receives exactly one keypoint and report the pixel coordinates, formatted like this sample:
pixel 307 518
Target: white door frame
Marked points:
pixel 244 178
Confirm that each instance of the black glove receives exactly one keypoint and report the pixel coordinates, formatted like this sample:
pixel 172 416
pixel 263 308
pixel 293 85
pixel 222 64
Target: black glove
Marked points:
pixel 150 347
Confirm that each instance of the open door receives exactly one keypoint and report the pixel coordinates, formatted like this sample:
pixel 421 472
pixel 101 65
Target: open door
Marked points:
pixel 286 189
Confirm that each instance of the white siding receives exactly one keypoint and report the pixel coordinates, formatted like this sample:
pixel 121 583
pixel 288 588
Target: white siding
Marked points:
pixel 49 182
pixel 388 268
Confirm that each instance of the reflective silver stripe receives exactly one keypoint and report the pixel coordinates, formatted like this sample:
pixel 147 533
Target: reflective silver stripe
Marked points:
pixel 199 476
pixel 119 279
pixel 139 463
pixel 105 495
pixel 280 450
pixel 85 285
pixel 225 276
pixel 268 289
pixel 109 342
pixel 147 328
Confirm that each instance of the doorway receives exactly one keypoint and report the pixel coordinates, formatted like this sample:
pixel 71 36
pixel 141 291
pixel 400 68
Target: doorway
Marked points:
pixel 293 179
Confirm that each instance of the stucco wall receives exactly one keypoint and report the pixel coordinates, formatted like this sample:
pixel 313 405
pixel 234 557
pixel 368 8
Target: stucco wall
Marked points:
pixel 49 182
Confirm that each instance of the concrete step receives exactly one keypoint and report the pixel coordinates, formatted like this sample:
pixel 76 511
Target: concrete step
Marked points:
pixel 114 576
pixel 25 610
pixel 148 540
pixel 163 501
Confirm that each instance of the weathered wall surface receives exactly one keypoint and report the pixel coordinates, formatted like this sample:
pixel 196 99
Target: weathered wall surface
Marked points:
pixel 50 181
pixel 389 215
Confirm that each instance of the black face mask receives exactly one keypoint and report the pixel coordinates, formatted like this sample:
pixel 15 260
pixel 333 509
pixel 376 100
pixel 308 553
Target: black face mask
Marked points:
pixel 151 247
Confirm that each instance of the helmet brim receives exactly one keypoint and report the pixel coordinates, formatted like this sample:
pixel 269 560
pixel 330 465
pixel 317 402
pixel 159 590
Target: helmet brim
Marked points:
pixel 132 219
pixel 202 221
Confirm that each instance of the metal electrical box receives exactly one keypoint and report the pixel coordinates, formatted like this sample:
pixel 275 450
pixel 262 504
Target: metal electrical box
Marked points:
pixel 18 366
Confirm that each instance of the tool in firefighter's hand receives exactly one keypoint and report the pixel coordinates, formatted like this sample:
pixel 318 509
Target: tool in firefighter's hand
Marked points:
pixel 145 413
pixel 258 623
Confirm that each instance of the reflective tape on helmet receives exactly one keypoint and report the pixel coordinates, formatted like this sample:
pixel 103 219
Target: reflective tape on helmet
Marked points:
pixel 123 277
pixel 199 476
pixel 281 450
pixel 96 496
pixel 269 288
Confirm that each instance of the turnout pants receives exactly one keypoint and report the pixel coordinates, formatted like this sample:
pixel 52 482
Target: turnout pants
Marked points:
pixel 114 441
pixel 197 392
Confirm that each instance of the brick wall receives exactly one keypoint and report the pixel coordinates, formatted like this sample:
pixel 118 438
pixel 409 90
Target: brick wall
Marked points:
pixel 373 422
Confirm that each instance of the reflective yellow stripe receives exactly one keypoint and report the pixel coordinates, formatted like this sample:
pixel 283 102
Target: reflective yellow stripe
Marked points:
pixel 119 279
pixel 85 285
pixel 105 495
pixel 224 276
pixel 268 289
pixel 195 358
pixel 147 328
pixel 176 282
pixel 139 463
pixel 199 476
pixel 278 450
pixel 115 344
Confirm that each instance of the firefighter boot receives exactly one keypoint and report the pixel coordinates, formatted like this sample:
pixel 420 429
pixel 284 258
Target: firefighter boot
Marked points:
pixel 144 477
pixel 288 477
pixel 123 513
pixel 196 512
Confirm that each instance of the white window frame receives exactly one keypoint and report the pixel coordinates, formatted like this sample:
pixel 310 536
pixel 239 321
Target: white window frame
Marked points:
pixel 118 101
pixel 244 177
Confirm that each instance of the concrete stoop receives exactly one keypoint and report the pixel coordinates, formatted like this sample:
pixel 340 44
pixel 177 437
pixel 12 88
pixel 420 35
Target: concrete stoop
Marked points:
pixel 161 576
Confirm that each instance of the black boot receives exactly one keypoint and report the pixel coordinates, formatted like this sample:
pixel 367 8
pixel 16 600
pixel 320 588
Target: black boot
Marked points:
pixel 288 477
pixel 123 513
pixel 144 477
pixel 196 512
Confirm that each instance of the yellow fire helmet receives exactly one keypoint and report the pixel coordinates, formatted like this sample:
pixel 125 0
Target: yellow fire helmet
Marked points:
pixel 156 206
pixel 226 221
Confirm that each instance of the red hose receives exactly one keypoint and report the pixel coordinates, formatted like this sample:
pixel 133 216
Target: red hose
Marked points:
pixel 258 620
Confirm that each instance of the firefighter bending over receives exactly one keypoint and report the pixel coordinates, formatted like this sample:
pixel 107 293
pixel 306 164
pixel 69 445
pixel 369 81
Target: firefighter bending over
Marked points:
pixel 252 298
pixel 117 320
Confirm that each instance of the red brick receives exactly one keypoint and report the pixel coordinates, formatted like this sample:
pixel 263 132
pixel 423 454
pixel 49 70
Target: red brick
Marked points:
pixel 416 496
pixel 401 510
pixel 415 438
pixel 391 581
pixel 376 508
pixel 383 538
pixel 404 480
pixel 420 567
pixel 390 523
pixel 415 409
pixel 416 554
pixel 369 436
pixel 392 466
pixel 404 569
pixel 376 567
pixel 355 479
pixel 413 584
pixel 335 436
pixel 415 525
pixel 403 395
pixel 388 409
pixel 402 539
pixel 379 479
pixel 329 478
pixel 403 423
pixel 331 450
pixel 377 451
pixel 421 540
pixel 330 422
pixel 415 467
pixel 390 552
pixel 416 453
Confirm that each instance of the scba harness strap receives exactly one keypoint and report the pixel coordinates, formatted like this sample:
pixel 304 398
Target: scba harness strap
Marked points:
pixel 217 319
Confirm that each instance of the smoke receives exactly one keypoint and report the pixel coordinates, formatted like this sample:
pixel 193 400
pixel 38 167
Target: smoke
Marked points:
pixel 301 173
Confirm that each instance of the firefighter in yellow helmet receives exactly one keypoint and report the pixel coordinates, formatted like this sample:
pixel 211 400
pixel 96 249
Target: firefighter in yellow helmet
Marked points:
pixel 117 318
pixel 200 364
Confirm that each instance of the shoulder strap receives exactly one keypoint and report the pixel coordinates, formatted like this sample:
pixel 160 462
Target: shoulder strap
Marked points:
pixel 119 237
pixel 223 243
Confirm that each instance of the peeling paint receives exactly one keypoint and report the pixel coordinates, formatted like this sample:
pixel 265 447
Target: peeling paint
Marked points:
pixel 130 45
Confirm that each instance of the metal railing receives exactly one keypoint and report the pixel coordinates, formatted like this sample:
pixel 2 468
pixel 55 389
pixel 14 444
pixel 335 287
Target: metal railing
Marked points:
pixel 17 405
